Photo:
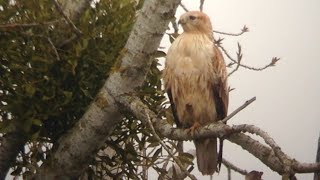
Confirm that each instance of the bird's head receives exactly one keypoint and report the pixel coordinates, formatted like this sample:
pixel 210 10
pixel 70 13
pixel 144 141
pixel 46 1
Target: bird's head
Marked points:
pixel 195 21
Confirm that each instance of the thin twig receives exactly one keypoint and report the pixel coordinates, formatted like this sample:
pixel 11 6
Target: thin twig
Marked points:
pixel 201 5
pixel 229 165
pixel 175 25
pixel 30 25
pixel 151 152
pixel 239 58
pixel 184 7
pixel 243 30
pixel 54 49
pixel 166 162
pixel 229 173
pixel 67 41
pixel 60 10
pixel 248 102
pixel 19 25
pixel 49 41
pixel 167 149
pixel 272 63
pixel 145 163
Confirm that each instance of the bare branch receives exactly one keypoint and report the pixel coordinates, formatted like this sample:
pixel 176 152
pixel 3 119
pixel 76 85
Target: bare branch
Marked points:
pixel 145 163
pixel 239 58
pixel 54 48
pixel 229 165
pixel 243 30
pixel 229 173
pixel 166 161
pixel 272 63
pixel 305 167
pixel 269 156
pixel 48 39
pixel 247 103
pixel 67 41
pixel 175 25
pixel 167 149
pixel 30 25
pixel 60 10
pixel 201 5
pixel 257 131
pixel 184 7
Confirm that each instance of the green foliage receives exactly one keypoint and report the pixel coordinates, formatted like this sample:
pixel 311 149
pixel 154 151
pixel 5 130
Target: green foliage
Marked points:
pixel 131 139
pixel 49 76
pixel 44 86
pixel 47 82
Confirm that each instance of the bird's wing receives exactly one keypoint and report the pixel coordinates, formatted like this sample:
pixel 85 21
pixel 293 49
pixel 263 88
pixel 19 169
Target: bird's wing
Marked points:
pixel 220 86
pixel 220 92
pixel 174 109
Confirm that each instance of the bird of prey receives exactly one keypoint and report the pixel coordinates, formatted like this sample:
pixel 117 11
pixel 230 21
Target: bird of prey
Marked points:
pixel 195 79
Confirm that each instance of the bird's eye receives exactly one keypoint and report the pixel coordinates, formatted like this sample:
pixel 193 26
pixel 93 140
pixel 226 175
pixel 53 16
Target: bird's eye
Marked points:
pixel 192 17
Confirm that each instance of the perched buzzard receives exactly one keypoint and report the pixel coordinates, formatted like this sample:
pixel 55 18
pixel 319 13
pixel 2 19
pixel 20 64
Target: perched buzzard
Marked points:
pixel 195 79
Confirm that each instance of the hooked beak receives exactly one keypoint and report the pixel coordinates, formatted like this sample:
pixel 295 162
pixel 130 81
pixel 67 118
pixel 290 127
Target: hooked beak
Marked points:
pixel 181 21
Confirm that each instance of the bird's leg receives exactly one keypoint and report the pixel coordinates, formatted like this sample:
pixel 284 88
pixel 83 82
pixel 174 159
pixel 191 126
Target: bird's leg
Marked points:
pixel 194 128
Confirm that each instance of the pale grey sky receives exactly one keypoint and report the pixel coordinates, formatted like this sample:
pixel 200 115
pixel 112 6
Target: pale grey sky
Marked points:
pixel 288 99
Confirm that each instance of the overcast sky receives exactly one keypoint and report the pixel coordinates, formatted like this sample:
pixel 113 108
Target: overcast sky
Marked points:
pixel 288 99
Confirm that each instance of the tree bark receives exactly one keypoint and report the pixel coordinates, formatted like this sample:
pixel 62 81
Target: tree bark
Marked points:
pixel 262 152
pixel 75 149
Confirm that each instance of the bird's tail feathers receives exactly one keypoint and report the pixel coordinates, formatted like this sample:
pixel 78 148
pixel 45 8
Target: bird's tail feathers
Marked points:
pixel 206 151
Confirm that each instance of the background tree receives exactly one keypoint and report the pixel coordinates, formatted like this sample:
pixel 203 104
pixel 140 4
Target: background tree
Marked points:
pixel 71 75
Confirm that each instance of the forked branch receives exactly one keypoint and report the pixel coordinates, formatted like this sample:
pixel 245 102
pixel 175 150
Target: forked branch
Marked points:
pixel 273 157
pixel 243 30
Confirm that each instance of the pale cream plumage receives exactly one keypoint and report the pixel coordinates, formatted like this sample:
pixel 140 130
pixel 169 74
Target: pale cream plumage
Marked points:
pixel 195 78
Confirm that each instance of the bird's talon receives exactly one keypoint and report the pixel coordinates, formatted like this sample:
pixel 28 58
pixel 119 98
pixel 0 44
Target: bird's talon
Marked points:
pixel 194 128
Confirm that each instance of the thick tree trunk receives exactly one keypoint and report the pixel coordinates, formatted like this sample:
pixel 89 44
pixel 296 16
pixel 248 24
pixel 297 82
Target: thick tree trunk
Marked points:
pixel 74 150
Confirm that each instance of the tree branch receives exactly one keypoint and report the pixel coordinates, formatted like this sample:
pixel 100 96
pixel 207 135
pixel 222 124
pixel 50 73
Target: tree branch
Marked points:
pixel 74 8
pixel 15 26
pixel 70 23
pixel 269 156
pixel 184 7
pixel 243 30
pixel 247 103
pixel 201 5
pixel 273 61
pixel 257 131
pixel 229 165
pixel 74 150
